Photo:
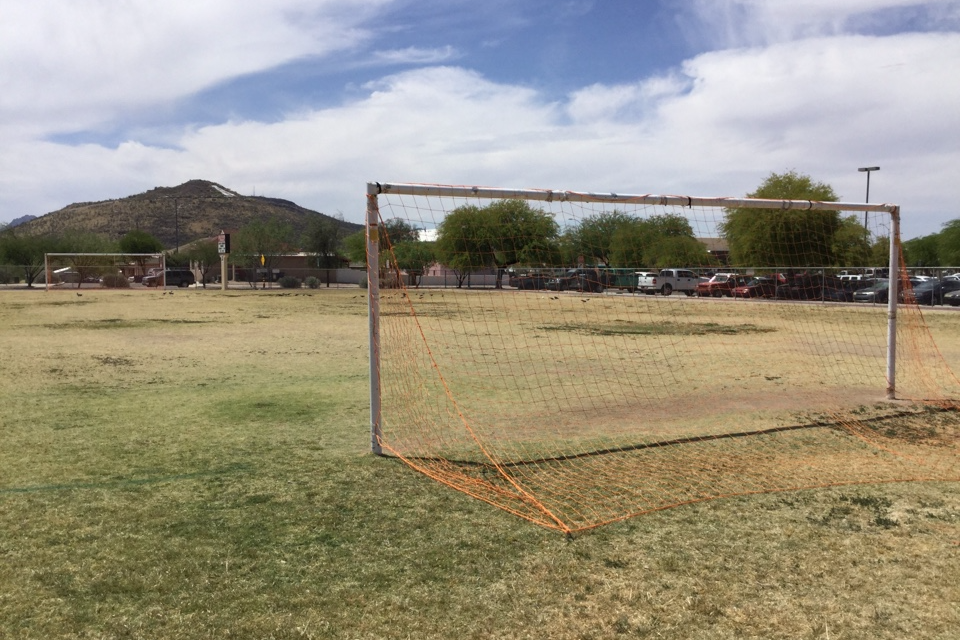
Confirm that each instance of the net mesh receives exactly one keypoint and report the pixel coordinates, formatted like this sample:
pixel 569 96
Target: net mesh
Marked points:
pixel 522 362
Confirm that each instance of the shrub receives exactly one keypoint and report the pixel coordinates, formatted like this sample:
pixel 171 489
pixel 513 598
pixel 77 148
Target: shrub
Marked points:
pixel 114 281
pixel 289 282
pixel 312 282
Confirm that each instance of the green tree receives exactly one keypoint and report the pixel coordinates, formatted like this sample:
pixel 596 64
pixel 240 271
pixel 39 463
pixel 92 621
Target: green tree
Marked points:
pixel 664 240
pixel 502 234
pixel 86 245
pixel 138 241
pixel 463 241
pixel 25 253
pixel 787 238
pixel 259 245
pixel 923 251
pixel 593 237
pixel 520 234
pixel 322 238
pixel 415 258
pixel 354 246
pixel 205 255
pixel 851 243
pixel 398 231
pixel 949 244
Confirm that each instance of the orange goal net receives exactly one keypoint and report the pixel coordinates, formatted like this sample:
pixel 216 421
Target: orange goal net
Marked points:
pixel 577 359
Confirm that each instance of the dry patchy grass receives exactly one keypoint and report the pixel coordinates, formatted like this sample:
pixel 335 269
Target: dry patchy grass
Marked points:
pixel 195 466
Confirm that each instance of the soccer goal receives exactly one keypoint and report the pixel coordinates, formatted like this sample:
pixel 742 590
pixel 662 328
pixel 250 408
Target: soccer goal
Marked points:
pixel 100 270
pixel 580 358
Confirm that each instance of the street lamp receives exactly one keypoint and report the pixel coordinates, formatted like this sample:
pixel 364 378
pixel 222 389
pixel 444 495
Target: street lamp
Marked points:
pixel 867 201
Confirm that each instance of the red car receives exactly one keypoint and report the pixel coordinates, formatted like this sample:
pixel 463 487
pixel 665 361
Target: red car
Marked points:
pixel 761 287
pixel 720 285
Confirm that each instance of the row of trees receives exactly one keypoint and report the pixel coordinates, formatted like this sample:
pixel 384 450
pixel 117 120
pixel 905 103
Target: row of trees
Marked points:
pixel 511 232
pixel 935 250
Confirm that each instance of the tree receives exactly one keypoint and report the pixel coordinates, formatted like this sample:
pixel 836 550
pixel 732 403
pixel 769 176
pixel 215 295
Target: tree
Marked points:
pixel 85 246
pixel 259 245
pixel 923 251
pixel 592 238
pixel 787 238
pixel 948 245
pixel 415 258
pixel 851 243
pixel 658 241
pixel 138 241
pixel 398 230
pixel 502 234
pixel 322 239
pixel 26 253
pixel 518 233
pixel 463 242
pixel 205 255
pixel 355 246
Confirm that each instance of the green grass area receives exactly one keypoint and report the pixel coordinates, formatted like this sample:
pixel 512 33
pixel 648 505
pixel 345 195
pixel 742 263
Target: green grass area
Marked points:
pixel 198 466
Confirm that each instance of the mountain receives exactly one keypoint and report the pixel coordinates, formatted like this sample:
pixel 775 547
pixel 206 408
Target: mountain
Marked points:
pixel 175 215
pixel 18 221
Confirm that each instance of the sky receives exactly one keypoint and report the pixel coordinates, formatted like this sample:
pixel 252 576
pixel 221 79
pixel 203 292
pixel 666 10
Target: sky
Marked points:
pixel 309 100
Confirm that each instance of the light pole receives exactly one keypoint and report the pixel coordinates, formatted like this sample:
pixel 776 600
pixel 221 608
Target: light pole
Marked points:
pixel 867 201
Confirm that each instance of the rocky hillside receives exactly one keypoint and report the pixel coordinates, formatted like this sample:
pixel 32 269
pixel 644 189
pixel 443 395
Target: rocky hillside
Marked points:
pixel 196 209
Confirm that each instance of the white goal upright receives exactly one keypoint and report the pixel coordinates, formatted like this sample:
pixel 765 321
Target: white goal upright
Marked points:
pixel 512 358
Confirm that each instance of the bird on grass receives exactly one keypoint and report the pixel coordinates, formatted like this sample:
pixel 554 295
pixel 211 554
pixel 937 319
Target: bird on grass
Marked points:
pixel 79 295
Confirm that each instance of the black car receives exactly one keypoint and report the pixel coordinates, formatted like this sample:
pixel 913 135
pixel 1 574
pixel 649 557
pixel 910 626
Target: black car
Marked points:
pixel 582 279
pixel 931 291
pixel 879 292
pixel 534 281
pixel 814 286
pixel 170 278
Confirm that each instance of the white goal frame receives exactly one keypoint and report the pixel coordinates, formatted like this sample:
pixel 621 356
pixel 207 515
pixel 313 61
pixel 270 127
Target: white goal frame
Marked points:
pixel 376 189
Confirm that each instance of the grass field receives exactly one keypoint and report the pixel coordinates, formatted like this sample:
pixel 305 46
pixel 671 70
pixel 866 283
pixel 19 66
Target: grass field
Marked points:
pixel 196 466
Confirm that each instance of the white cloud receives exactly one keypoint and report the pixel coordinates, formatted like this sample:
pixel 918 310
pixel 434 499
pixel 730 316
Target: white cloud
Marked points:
pixel 739 23
pixel 716 126
pixel 70 65
pixel 416 55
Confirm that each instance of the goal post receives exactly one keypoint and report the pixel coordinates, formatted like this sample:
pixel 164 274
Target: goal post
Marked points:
pixel 515 356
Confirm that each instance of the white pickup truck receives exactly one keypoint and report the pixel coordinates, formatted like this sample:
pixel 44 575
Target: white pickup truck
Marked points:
pixel 667 281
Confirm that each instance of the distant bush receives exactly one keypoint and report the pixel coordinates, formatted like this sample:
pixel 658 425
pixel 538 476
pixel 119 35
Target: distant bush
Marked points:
pixel 312 282
pixel 289 282
pixel 114 281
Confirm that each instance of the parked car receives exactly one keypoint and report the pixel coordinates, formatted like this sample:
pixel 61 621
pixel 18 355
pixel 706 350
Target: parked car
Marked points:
pixel 581 279
pixel 931 291
pixel 529 280
pixel 170 278
pixel 816 286
pixel 840 290
pixel 952 299
pixel 760 287
pixel 879 292
pixel 721 285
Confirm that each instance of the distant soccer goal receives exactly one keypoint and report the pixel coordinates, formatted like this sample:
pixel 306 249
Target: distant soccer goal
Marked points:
pixel 578 358
pixel 101 270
